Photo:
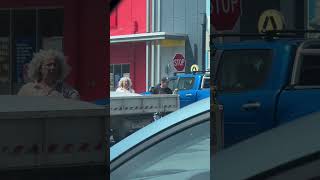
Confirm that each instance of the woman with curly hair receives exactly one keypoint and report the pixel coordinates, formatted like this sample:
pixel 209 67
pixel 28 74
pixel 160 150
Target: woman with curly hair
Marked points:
pixel 125 85
pixel 48 70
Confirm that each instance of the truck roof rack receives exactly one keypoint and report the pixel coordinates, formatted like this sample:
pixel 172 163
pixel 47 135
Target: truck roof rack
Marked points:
pixel 175 73
pixel 269 35
pixel 194 72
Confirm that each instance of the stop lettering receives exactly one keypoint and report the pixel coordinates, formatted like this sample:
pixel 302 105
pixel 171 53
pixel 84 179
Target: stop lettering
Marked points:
pixel 225 14
pixel 179 62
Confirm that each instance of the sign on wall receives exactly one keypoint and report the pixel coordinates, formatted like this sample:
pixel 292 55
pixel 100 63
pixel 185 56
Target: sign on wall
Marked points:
pixel 271 20
pixel 225 14
pixel 194 68
pixel 179 62
pixel 24 53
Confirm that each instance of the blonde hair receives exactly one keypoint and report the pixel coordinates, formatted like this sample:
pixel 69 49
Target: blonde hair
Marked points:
pixel 122 82
pixel 42 56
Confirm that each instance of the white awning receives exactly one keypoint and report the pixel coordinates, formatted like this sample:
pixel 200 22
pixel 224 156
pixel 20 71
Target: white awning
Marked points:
pixel 147 37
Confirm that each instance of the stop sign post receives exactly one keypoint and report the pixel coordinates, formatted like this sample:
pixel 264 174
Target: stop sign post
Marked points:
pixel 225 14
pixel 179 63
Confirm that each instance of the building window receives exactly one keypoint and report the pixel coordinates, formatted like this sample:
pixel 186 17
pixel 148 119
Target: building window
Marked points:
pixel 24 45
pixel 4 52
pixel 24 32
pixel 51 34
pixel 118 71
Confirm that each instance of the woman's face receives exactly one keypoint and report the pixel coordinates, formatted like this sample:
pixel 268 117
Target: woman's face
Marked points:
pixel 126 84
pixel 49 70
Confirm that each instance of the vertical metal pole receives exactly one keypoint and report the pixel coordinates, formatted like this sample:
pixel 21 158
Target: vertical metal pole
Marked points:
pixel 148 16
pixel 37 30
pixel 11 52
pixel 153 73
pixel 152 64
pixel 147 64
pixel 153 22
pixel 147 43
pixel 158 63
pixel 158 14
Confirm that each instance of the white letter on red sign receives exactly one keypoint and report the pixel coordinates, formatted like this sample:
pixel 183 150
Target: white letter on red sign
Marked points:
pixel 226 7
pixel 217 7
pixel 233 4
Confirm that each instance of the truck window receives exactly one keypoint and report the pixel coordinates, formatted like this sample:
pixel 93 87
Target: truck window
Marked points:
pixel 242 70
pixel 206 83
pixel 310 71
pixel 185 83
pixel 172 83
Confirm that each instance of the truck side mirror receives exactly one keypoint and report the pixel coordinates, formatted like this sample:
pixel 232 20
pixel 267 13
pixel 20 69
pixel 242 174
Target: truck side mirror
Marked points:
pixel 151 89
pixel 175 91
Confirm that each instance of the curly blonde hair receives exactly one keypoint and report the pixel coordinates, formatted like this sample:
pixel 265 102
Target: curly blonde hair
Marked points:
pixel 42 56
pixel 123 80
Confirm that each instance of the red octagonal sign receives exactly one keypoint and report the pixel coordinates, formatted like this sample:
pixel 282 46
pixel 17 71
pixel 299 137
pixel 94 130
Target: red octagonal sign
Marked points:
pixel 179 62
pixel 225 14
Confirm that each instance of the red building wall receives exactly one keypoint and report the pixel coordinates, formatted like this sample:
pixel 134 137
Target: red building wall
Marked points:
pixel 93 41
pixel 130 18
pixel 86 37
pixel 135 55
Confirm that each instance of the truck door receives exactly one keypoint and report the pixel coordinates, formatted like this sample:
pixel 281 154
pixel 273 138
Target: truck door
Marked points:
pixel 242 89
pixel 187 90
pixel 302 96
pixel 204 90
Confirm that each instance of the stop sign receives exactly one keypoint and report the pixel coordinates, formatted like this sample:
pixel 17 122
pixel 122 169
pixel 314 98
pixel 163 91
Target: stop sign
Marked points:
pixel 179 62
pixel 225 14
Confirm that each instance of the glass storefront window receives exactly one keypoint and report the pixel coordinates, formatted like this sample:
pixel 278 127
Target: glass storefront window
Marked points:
pixel 117 71
pixel 23 32
pixel 4 52
pixel 24 45
pixel 51 34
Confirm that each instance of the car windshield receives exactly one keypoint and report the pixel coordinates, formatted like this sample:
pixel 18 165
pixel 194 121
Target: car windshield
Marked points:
pixel 180 156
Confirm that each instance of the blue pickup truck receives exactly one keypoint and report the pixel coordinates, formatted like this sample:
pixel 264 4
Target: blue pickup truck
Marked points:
pixel 265 83
pixel 190 87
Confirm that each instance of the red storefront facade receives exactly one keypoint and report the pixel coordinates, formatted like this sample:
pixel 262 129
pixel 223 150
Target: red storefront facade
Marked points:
pixel 80 33
pixel 128 58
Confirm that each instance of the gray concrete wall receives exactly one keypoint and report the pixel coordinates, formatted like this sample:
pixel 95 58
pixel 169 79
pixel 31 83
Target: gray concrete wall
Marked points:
pixel 188 17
